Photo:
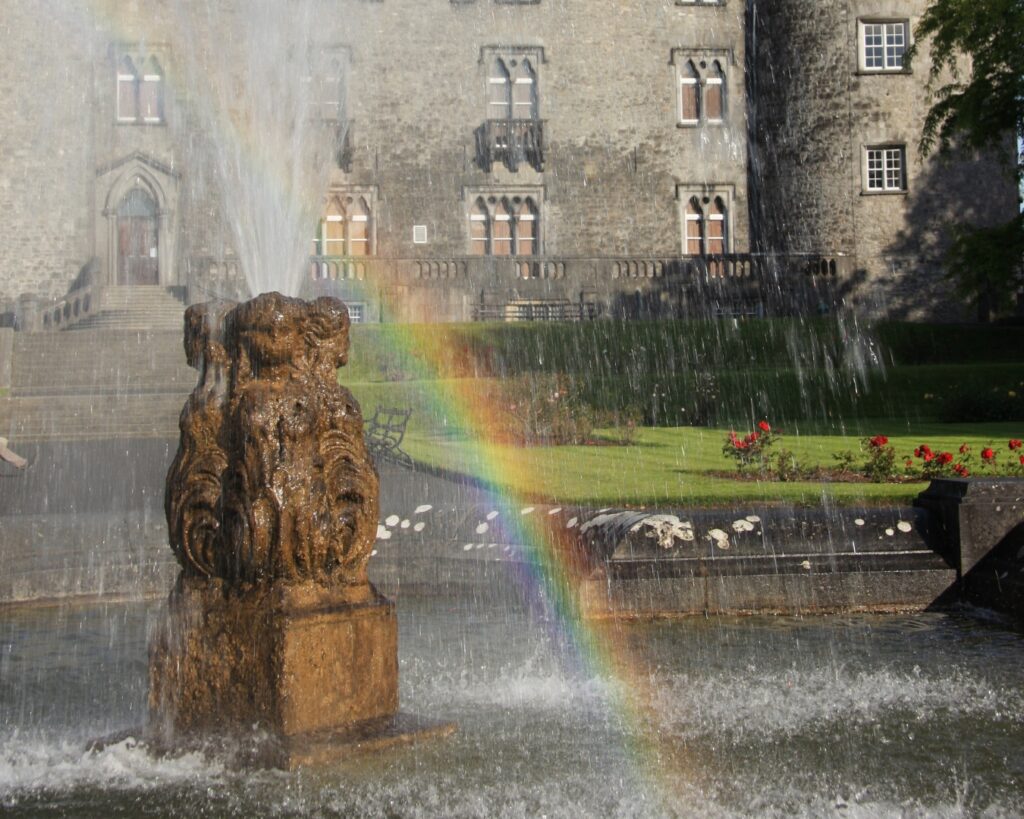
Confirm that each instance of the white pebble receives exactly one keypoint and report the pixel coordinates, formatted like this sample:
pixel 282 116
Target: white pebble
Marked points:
pixel 405 523
pixel 903 526
pixel 482 528
pixel 391 520
pixel 426 507
pixel 569 524
pixel 555 511
pixel 890 532
pixel 753 518
pixel 419 527
pixel 492 515
pixel 382 533
pixel 859 521
pixel 806 564
pixel 527 511
pixel 467 547
pixel 742 526
pixel 373 553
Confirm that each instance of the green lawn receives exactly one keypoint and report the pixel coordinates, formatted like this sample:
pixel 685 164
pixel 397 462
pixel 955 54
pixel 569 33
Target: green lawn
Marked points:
pixel 826 382
pixel 671 465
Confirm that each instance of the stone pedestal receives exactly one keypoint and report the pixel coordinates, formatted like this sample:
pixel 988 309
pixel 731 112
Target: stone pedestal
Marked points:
pixel 285 660
pixel 285 676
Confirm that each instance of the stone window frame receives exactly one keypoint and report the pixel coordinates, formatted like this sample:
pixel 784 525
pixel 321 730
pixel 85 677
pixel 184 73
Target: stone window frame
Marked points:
pixel 356 312
pixel 340 55
pixel 862 23
pixel 886 149
pixel 141 59
pixel 342 193
pixel 511 56
pixel 515 196
pixel 706 194
pixel 702 60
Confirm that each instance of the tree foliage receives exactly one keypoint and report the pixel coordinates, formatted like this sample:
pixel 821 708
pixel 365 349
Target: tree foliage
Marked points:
pixel 977 81
pixel 978 103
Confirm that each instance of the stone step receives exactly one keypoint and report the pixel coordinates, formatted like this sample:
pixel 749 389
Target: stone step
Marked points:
pixel 99 362
pixel 129 320
pixel 91 416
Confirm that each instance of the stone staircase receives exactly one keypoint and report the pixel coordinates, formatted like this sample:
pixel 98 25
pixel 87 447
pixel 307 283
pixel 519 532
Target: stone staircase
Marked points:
pixel 135 308
pixel 98 383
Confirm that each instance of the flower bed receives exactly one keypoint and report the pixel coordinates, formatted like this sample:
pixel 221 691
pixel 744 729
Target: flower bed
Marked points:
pixel 757 457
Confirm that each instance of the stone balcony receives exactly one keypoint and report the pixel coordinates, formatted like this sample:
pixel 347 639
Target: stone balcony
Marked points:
pixel 510 142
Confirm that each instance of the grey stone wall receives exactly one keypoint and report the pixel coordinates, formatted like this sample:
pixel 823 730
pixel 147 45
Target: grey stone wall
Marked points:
pixel 619 166
pixel 46 150
pixel 814 112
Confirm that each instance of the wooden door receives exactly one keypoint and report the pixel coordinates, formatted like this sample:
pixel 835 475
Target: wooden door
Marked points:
pixel 138 240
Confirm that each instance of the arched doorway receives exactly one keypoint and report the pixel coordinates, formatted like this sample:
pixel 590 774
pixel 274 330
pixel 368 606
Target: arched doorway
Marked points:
pixel 138 228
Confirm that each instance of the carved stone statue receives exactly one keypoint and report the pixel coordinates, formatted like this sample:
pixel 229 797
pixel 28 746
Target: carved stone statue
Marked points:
pixel 272 480
pixel 272 509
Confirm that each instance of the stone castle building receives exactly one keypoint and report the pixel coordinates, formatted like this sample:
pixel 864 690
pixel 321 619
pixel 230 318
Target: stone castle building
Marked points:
pixel 504 159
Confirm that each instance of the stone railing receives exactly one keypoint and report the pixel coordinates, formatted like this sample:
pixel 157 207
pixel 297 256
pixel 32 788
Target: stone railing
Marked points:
pixel 66 312
pixel 537 310
pixel 337 268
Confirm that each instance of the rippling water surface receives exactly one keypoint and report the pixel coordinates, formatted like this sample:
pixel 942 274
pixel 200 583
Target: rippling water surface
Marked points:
pixel 859 716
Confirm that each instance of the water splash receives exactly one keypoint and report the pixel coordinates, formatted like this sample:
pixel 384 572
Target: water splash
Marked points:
pixel 269 97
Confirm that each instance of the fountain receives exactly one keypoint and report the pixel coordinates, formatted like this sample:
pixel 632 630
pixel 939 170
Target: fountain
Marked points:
pixel 272 508
pixel 275 648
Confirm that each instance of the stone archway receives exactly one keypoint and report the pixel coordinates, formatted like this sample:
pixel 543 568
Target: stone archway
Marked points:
pixel 135 240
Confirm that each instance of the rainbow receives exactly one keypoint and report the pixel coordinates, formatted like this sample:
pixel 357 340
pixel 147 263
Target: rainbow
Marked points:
pixel 546 575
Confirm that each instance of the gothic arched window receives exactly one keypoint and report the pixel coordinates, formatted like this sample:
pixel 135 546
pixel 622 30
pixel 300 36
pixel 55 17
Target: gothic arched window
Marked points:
pixel 479 229
pixel 345 228
pixel 714 93
pixel 504 226
pixel 526 228
pixel 358 228
pixel 714 232
pixel 694 228
pixel 689 93
pixel 499 95
pixel 524 91
pixel 151 92
pixel 127 91
pixel 501 233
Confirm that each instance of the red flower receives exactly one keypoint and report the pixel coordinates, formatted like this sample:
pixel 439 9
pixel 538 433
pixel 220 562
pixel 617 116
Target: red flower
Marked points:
pixel 764 426
pixel 908 462
pixel 987 454
pixel 752 437
pixel 924 451
pixel 964 449
pixel 1015 443
pixel 961 470
pixel 1022 460
pixel 879 441
pixel 945 457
